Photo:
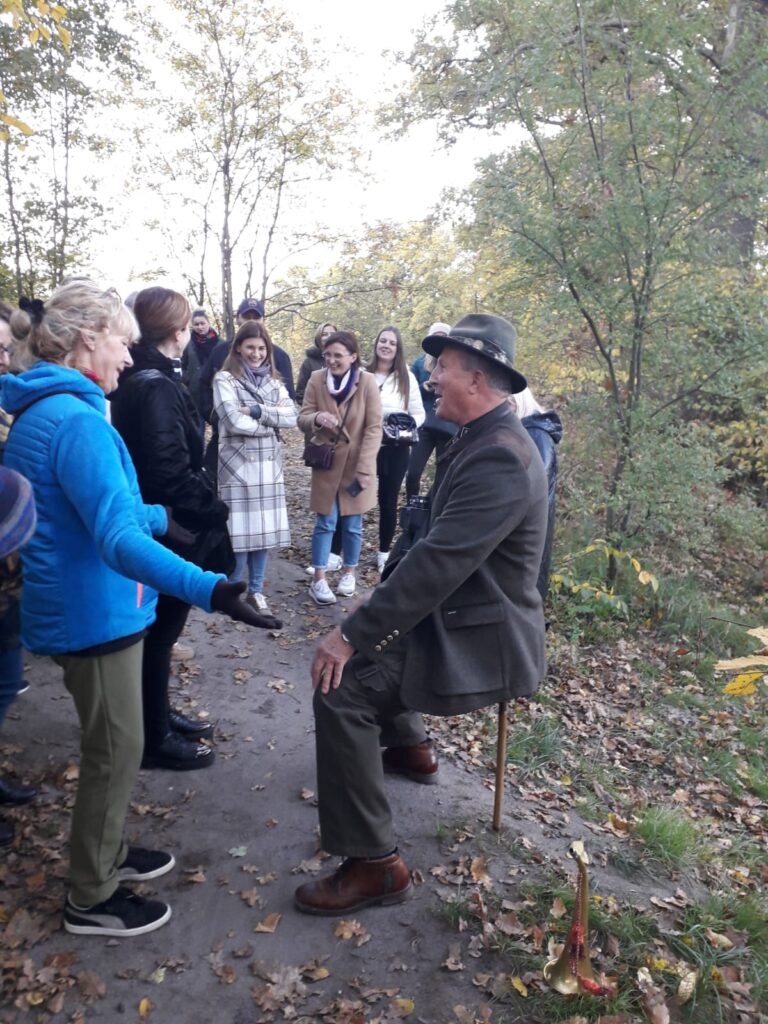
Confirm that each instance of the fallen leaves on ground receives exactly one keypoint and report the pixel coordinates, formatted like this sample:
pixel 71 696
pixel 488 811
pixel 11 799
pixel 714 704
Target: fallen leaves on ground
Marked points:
pixel 269 924
pixel 351 929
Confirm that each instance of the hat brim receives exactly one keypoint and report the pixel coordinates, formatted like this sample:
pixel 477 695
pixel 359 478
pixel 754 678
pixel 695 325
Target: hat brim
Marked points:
pixel 434 344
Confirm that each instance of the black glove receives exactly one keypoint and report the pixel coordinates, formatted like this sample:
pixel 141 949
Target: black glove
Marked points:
pixel 226 598
pixel 176 534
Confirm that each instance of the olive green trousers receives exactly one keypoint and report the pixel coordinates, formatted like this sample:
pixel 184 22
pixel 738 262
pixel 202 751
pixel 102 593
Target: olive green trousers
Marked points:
pixel 107 694
pixel 352 724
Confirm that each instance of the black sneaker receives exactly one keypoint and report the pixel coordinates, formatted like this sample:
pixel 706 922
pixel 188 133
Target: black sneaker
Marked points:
pixel 176 753
pixel 124 914
pixel 140 865
pixel 192 728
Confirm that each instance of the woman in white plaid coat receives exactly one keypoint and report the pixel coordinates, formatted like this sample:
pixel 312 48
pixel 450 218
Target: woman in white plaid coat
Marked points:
pixel 252 406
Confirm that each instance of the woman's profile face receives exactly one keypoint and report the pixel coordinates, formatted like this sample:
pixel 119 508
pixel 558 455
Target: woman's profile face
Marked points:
pixel 327 331
pixel 253 352
pixel 338 359
pixel 110 355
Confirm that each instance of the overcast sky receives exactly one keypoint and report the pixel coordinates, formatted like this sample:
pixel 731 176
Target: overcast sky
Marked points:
pixel 405 177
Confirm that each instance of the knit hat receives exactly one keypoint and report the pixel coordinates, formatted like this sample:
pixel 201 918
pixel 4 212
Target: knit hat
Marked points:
pixel 439 328
pixel 17 511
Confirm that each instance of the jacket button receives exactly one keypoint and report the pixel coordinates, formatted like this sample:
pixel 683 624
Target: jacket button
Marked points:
pixel 395 632
pixel 377 648
pixel 390 638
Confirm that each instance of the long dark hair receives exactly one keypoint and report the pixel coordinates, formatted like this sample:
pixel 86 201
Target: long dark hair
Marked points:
pixel 250 329
pixel 400 366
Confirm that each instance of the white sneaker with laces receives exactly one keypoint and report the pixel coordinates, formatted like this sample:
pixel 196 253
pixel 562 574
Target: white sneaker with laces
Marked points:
pixel 381 560
pixel 334 563
pixel 346 585
pixel 321 593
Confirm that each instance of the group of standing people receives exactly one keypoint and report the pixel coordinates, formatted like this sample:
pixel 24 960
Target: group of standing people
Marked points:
pixel 121 552
pixel 103 548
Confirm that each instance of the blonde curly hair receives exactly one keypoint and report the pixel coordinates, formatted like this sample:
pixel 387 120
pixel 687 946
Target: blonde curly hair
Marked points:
pixel 78 306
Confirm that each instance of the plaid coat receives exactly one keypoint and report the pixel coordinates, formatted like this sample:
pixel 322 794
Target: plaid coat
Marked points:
pixel 251 478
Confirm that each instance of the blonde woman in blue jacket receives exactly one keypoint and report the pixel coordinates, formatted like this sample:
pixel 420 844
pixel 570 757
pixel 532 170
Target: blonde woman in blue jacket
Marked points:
pixel 91 573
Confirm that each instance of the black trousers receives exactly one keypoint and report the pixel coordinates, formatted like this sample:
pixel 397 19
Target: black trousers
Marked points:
pixel 156 666
pixel 429 441
pixel 391 467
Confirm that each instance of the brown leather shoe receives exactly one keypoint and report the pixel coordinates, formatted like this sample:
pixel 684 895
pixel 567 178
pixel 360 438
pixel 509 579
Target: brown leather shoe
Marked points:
pixel 418 763
pixel 356 884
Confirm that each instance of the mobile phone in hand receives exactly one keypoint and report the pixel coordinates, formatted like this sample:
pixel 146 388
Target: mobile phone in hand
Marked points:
pixel 354 488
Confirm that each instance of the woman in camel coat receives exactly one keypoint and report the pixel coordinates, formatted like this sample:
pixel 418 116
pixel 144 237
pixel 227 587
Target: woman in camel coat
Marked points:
pixel 341 400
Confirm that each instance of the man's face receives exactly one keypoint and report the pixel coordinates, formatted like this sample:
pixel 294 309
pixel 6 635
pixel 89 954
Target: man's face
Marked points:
pixel 453 385
pixel 200 326
pixel 249 314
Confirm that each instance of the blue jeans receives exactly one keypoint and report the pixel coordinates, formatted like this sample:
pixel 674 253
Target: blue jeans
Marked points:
pixel 257 568
pixel 11 678
pixel 351 538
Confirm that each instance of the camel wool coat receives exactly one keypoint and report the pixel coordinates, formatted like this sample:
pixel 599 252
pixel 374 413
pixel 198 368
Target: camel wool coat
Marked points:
pixel 356 448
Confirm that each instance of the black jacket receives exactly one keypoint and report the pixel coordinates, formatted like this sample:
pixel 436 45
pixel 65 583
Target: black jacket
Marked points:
pixel 196 355
pixel 313 361
pixel 545 430
pixel 156 417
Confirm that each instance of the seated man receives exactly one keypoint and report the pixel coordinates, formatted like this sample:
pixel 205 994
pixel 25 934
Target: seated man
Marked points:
pixel 456 623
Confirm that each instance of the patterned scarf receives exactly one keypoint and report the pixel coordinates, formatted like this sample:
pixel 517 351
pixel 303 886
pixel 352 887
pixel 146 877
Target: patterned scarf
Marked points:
pixel 255 377
pixel 338 390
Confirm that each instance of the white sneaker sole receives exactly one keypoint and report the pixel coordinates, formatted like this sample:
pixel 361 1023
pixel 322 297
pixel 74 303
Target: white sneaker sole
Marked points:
pixel 117 933
pixel 323 603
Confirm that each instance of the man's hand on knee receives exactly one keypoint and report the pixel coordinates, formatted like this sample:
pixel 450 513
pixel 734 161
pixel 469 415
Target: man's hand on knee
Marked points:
pixel 331 656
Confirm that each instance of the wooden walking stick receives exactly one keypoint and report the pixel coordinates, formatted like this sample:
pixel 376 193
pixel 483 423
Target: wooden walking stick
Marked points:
pixel 501 761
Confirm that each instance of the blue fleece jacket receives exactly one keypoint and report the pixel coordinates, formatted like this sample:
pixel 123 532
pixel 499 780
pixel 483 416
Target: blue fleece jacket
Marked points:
pixel 86 566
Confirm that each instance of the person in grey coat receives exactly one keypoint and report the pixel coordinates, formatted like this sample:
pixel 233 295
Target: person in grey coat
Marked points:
pixel 455 625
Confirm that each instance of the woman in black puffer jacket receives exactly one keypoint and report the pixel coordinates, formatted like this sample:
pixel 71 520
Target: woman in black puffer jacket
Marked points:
pixel 158 421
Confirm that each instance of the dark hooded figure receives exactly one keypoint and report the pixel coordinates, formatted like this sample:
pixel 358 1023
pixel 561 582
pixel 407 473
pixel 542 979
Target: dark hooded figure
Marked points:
pixel 545 430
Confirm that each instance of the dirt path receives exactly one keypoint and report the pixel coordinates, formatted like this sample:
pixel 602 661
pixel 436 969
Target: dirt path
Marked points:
pixel 244 836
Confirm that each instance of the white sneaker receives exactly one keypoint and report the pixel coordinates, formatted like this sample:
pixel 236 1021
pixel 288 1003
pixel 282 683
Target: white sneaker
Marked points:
pixel 182 652
pixel 335 562
pixel 346 585
pixel 321 593
pixel 381 560
pixel 258 602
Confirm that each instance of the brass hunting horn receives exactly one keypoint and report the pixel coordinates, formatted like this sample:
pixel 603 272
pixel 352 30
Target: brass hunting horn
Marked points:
pixel 571 973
